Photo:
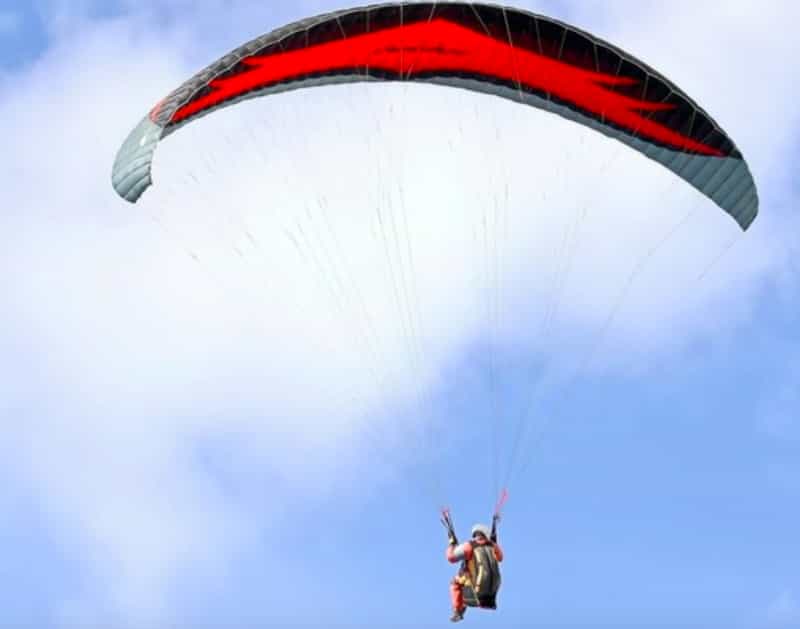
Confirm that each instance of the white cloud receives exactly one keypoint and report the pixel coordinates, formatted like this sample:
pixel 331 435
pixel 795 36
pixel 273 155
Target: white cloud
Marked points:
pixel 208 311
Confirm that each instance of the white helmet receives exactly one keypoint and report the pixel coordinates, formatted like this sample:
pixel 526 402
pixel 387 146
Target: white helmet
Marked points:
pixel 482 529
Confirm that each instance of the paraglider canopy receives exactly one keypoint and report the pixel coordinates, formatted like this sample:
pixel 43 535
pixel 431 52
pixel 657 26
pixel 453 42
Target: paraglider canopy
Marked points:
pixel 506 52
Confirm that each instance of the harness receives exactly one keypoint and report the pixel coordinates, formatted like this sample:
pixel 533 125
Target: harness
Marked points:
pixel 487 578
pixel 480 577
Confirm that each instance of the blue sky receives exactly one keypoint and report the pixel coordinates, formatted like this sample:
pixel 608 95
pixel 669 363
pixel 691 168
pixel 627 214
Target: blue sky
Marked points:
pixel 200 426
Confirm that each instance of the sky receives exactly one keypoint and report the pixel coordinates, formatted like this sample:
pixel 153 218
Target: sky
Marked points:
pixel 242 401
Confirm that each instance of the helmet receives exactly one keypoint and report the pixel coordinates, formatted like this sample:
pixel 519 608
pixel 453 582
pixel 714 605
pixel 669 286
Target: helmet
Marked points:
pixel 482 529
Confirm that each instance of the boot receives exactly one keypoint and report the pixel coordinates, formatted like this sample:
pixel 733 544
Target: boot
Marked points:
pixel 458 614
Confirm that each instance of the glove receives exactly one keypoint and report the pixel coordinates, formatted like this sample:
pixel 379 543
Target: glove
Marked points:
pixel 451 539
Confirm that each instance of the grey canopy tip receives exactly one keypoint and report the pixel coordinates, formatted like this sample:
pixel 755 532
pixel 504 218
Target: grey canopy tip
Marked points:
pixel 130 174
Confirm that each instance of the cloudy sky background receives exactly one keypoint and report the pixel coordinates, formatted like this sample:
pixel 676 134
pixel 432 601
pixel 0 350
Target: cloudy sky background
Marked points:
pixel 241 400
